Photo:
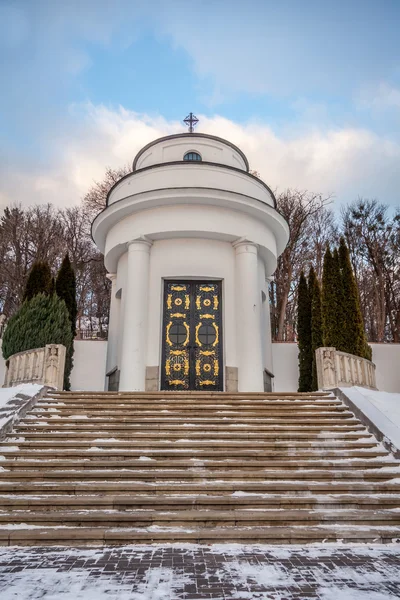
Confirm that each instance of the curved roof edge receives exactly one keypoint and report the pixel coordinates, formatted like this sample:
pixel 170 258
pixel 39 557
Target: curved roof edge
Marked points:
pixel 190 135
pixel 191 163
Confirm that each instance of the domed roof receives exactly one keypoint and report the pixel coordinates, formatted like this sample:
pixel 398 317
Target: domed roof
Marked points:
pixel 207 148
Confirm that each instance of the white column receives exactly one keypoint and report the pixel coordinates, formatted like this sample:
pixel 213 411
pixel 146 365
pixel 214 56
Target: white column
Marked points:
pixel 113 322
pixel 134 325
pixel 248 328
pixel 267 331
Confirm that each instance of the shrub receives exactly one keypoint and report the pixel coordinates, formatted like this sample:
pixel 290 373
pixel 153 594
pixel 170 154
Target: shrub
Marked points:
pixel 39 321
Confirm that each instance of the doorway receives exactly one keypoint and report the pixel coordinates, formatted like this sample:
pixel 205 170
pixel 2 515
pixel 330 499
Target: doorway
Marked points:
pixel 192 336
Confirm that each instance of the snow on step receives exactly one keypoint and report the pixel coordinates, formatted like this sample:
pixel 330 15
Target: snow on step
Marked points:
pixel 88 468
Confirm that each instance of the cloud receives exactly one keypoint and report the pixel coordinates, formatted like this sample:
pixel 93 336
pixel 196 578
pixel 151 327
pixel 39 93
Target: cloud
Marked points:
pixel 344 162
pixel 380 98
pixel 264 47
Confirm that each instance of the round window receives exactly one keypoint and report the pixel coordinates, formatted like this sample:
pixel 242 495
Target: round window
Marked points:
pixel 177 334
pixel 192 156
pixel 207 335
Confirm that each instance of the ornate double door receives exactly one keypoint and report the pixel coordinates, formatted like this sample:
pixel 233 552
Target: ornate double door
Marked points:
pixel 192 336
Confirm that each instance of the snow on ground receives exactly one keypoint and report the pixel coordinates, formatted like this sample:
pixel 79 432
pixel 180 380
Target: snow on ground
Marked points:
pixel 388 404
pixel 220 571
pixel 381 408
pixel 11 404
pixel 28 389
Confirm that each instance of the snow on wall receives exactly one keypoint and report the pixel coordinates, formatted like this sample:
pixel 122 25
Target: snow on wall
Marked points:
pixel 382 409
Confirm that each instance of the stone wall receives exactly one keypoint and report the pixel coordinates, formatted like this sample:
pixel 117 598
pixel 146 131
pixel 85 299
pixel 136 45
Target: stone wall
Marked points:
pixel 386 358
pixel 39 365
pixel 90 366
pixel 341 369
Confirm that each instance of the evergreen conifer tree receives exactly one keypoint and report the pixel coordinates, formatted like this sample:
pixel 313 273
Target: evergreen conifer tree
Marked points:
pixel 311 280
pixel 332 301
pixel 316 329
pixel 39 280
pixel 39 321
pixel 66 290
pixel 304 335
pixel 354 334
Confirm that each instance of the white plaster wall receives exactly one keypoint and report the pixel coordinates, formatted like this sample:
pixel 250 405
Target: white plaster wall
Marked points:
pixel 285 367
pixel 90 363
pixel 174 149
pixel 191 259
pixel 387 360
pixel 193 176
pixel 89 368
pixel 286 370
pixel 195 221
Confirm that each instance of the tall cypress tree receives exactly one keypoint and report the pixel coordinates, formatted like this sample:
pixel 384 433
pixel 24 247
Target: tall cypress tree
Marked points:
pixel 354 333
pixel 332 301
pixel 316 329
pixel 328 308
pixel 39 280
pixel 66 290
pixel 304 335
pixel 39 321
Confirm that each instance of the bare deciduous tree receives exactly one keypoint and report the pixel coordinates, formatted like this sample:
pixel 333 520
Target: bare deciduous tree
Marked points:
pixel 95 199
pixel 305 212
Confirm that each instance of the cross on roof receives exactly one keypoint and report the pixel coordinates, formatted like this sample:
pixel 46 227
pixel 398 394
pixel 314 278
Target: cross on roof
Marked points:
pixel 191 120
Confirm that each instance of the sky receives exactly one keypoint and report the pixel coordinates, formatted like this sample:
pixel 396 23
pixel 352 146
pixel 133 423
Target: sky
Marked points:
pixel 309 90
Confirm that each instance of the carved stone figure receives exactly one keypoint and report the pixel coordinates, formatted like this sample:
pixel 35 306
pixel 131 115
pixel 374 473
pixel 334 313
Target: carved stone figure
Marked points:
pixel 329 368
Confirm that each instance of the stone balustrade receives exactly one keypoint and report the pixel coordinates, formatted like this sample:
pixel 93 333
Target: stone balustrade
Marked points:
pixel 340 369
pixel 40 365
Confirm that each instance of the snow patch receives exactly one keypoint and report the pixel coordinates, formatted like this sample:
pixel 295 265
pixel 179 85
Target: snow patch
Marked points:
pixel 381 408
pixel 28 389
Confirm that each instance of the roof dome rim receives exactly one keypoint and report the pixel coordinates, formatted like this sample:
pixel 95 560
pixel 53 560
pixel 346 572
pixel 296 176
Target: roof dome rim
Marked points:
pixel 190 136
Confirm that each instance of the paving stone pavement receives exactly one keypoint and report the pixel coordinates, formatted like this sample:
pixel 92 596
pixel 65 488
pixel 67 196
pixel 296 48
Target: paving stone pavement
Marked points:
pixel 189 572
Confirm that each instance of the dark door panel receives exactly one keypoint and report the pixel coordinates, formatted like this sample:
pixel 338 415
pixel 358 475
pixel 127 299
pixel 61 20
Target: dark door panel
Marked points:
pixel 192 336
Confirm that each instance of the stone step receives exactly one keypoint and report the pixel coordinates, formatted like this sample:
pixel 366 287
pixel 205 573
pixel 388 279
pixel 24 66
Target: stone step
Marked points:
pixel 366 442
pixel 272 407
pixel 226 427
pixel 204 474
pixel 204 487
pixel 99 536
pixel 205 437
pixel 177 502
pixel 214 518
pixel 137 417
pixel 90 469
pixel 265 454
pixel 197 403
pixel 167 417
pixel 190 405
pixel 186 394
pixel 192 463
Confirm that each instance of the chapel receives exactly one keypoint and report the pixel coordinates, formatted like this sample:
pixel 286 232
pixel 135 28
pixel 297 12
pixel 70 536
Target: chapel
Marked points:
pixel 190 241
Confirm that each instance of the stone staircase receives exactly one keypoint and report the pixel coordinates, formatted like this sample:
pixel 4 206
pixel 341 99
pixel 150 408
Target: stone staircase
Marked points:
pixel 107 468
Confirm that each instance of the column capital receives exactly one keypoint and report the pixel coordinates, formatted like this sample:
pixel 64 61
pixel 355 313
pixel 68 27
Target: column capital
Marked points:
pixel 143 243
pixel 112 277
pixel 245 245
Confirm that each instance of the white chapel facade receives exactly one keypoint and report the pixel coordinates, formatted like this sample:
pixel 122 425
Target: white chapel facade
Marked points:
pixel 190 240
